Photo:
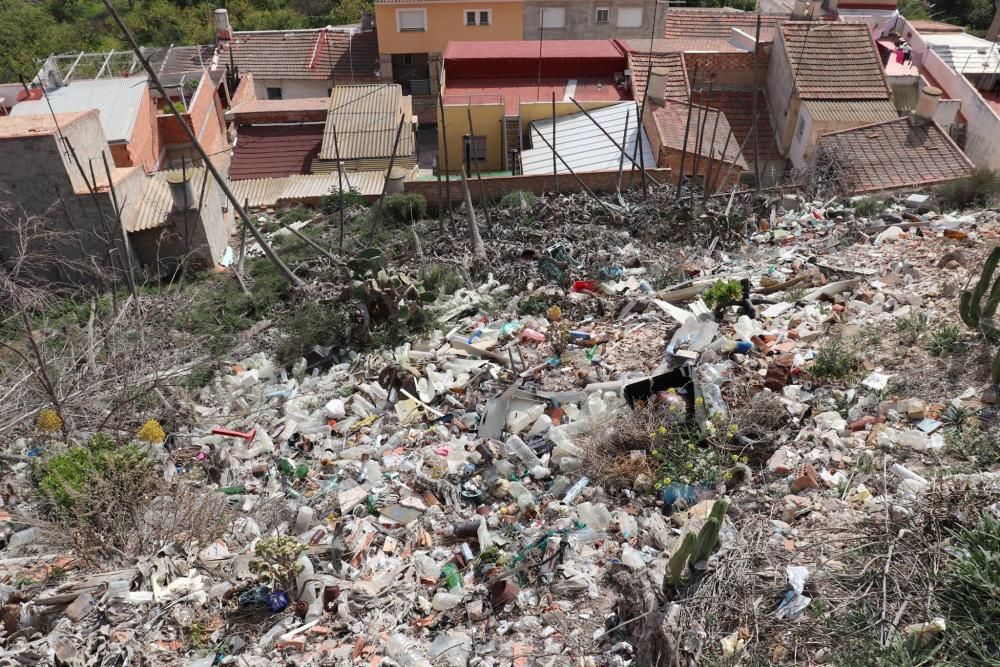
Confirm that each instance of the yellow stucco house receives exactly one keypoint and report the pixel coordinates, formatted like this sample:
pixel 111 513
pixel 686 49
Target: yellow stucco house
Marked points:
pixel 412 35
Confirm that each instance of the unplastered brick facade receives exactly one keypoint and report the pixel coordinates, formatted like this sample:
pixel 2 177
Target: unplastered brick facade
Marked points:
pixel 727 69
pixel 496 187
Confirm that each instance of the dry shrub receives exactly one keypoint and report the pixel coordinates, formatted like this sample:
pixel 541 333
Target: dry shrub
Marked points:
pixel 619 453
pixel 182 514
pixel 758 413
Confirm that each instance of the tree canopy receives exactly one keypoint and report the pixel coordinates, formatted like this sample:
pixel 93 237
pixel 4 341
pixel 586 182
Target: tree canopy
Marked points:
pixel 33 29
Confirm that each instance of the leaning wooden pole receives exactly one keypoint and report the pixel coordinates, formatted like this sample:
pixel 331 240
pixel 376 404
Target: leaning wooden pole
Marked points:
pixel 377 218
pixel 687 131
pixel 340 183
pixel 756 140
pixel 479 175
pixel 285 272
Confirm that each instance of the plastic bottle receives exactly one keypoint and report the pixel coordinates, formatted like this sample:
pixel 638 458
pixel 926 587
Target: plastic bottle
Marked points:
pixel 452 578
pixel 517 447
pixel 444 601
pixel 575 490
pixel 427 568
pixel 713 400
pixel 405 652
pixel 520 493
pixel 595 516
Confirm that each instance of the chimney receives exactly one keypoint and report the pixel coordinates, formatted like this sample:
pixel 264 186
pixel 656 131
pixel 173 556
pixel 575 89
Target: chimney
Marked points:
pixel 656 87
pixel 927 103
pixel 181 189
pixel 223 31
pixel 367 20
pixel 801 9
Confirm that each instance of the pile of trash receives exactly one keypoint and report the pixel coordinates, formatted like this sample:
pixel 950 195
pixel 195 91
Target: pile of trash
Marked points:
pixel 436 503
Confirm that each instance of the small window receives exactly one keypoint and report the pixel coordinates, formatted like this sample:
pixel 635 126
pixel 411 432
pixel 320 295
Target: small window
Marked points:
pixel 553 17
pixel 630 17
pixel 407 58
pixel 603 15
pixel 329 91
pixel 478 16
pixel 476 149
pixel 411 20
pixel 274 93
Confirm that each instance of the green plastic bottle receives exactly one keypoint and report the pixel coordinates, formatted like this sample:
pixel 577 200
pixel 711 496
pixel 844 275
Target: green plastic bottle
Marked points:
pixel 238 490
pixel 285 466
pixel 451 576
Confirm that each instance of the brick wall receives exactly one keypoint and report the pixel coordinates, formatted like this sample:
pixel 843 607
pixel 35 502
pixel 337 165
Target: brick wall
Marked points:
pixel 498 186
pixel 144 144
pixel 244 92
pixel 728 69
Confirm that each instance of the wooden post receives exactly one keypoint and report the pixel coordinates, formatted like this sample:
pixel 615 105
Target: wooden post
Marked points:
pixel 687 130
pixel 555 170
pixel 385 185
pixel 479 174
pixel 444 143
pixel 621 160
pixel 756 141
pixel 340 184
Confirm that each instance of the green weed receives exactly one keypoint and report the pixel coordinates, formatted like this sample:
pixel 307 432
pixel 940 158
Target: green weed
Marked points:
pixel 945 338
pixel 836 360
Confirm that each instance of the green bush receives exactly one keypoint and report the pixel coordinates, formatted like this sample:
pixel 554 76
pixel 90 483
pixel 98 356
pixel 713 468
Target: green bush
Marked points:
pixel 295 214
pixel 869 206
pixel 536 304
pixel 836 360
pixel 945 338
pixel 440 278
pixel 402 208
pixel 518 198
pixel 336 200
pixel 722 294
pixel 71 478
pixel 981 188
pixel 309 325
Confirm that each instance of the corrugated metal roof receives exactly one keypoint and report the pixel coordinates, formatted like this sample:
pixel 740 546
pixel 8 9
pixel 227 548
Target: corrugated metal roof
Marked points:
pixel 861 112
pixel 964 53
pixel 582 144
pixel 269 191
pixel 116 100
pixel 157 202
pixel 366 118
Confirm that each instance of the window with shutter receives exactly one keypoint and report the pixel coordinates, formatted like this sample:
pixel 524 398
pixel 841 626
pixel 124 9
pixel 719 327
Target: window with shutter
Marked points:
pixel 411 19
pixel 553 17
pixel 630 17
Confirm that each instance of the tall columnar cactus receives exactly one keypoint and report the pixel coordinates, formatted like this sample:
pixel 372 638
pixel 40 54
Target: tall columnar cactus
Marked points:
pixel 977 313
pixel 695 548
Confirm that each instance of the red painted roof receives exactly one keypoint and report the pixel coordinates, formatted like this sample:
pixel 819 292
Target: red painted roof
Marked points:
pixel 562 58
pixel 514 92
pixel 275 150
pixel 522 49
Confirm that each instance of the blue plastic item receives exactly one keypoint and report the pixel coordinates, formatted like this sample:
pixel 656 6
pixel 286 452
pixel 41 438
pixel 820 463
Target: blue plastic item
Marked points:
pixel 277 601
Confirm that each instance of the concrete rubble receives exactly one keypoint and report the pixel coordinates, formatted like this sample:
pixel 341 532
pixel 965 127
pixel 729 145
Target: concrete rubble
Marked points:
pixel 444 493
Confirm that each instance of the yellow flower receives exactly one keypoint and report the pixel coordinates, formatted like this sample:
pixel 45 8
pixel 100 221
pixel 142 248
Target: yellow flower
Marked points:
pixel 151 432
pixel 699 401
pixel 663 430
pixel 49 421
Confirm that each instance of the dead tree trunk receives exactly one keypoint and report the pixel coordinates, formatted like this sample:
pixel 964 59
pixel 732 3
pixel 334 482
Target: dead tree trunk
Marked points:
pixel 474 238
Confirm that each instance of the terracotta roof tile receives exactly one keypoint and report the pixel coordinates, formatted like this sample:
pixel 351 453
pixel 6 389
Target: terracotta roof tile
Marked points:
pixel 275 150
pixel 305 54
pixel 181 59
pixel 677 81
pixel 671 120
pixel 834 61
pixel 737 105
pixel 685 45
pixel 898 154
pixel 717 23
